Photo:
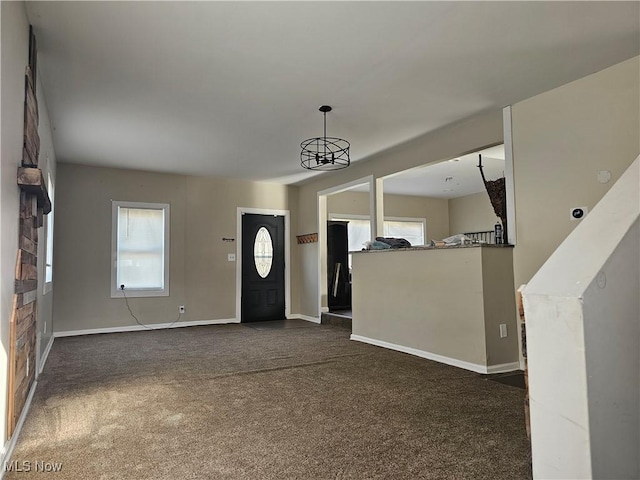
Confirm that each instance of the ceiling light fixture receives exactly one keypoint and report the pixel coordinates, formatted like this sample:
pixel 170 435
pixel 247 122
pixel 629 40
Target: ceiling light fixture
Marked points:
pixel 325 153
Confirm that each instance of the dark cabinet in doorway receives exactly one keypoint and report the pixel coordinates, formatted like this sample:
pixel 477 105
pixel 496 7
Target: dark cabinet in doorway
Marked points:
pixel 338 276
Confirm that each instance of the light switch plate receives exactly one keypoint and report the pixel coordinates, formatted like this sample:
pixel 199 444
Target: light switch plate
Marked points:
pixel 503 330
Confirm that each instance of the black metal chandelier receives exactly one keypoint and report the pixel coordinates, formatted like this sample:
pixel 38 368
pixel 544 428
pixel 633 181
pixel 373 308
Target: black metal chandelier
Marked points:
pixel 325 153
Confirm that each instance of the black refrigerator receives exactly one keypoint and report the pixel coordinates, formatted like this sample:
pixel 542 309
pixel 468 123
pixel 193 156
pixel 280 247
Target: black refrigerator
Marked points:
pixel 338 276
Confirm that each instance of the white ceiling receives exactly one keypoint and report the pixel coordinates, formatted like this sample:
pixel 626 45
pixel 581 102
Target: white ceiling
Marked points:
pixel 454 178
pixel 232 88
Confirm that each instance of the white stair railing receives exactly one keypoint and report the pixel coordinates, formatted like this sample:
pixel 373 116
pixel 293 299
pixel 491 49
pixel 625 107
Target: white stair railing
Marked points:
pixel 583 342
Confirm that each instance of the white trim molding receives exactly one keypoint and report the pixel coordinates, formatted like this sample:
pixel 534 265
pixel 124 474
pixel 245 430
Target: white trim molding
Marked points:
pixel 7 450
pixel 48 234
pixel 45 355
pixel 503 367
pixel 131 292
pixel 322 195
pixel 509 175
pixel 474 367
pixel 138 328
pixel 300 316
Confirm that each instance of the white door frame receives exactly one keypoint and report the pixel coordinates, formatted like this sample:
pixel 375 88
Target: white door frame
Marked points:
pixel 372 182
pixel 287 256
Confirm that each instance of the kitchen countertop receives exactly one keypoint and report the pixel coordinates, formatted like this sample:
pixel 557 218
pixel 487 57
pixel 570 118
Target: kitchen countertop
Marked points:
pixel 428 247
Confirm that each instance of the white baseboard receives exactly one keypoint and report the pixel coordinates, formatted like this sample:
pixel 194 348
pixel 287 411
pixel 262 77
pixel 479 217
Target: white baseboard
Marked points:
pixel 45 355
pixel 7 450
pixel 504 367
pixel 474 367
pixel 138 328
pixel 300 316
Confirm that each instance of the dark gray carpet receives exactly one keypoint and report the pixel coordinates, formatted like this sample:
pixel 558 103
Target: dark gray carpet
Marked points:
pixel 236 402
pixel 279 324
pixel 515 379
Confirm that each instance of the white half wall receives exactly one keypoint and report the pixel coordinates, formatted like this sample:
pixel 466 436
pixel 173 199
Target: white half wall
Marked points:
pixel 583 343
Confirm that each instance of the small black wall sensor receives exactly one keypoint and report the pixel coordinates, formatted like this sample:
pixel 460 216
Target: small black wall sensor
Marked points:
pixel 577 213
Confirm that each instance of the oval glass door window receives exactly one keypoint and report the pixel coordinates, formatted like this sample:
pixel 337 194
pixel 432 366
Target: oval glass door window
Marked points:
pixel 263 252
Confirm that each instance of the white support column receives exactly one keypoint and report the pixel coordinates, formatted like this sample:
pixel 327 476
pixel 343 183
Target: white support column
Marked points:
pixel 508 175
pixel 323 302
pixel 376 198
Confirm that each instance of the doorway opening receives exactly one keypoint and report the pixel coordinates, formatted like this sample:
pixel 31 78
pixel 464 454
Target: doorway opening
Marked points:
pixel 333 256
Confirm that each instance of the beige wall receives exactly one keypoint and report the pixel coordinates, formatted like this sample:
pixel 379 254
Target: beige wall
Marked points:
pixel 471 213
pixel 14 56
pixel 561 140
pixel 499 305
pixel 353 203
pixel 421 307
pixel 447 142
pixel 212 214
pixel 435 210
pixel 82 261
pixel 203 210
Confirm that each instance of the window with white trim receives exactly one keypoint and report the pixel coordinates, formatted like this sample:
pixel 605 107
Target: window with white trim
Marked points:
pixel 140 249
pixel 359 229
pixel 412 229
pixel 48 253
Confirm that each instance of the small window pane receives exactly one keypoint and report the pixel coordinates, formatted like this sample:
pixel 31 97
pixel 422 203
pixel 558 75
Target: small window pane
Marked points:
pixel 140 248
pixel 359 232
pixel 263 252
pixel 48 268
pixel 412 231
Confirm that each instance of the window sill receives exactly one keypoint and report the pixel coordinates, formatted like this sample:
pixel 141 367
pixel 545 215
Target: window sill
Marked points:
pixel 131 293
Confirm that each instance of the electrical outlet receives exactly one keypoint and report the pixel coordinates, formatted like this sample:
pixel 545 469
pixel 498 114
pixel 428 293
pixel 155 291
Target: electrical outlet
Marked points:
pixel 503 330
pixel 181 309
pixel 27 366
pixel 231 257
